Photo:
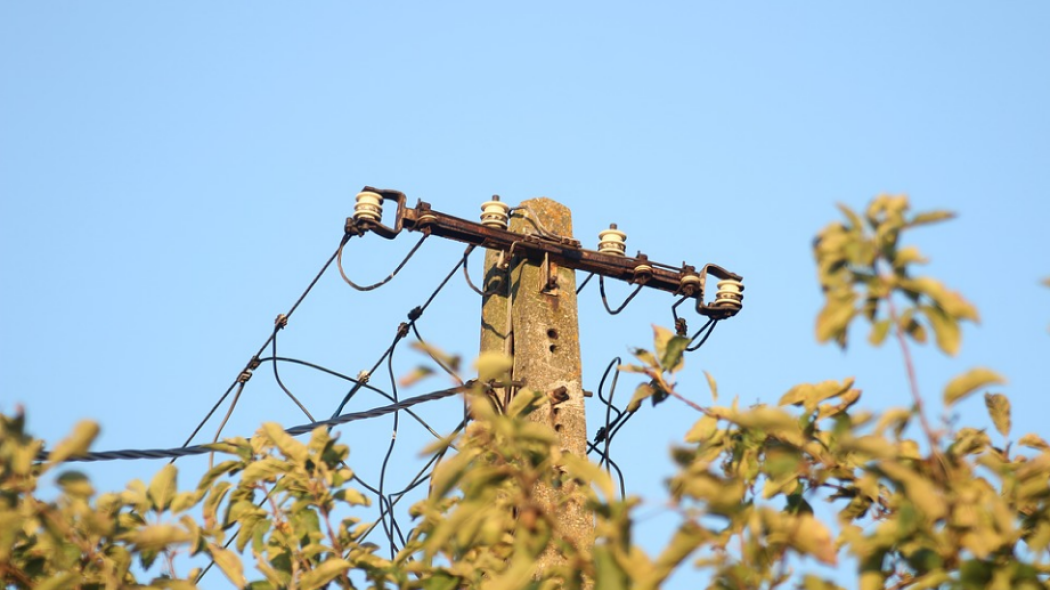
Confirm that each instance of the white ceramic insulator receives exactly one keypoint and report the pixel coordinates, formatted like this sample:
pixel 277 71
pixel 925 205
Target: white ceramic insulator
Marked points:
pixel 369 206
pixel 495 214
pixel 690 281
pixel 730 294
pixel 612 241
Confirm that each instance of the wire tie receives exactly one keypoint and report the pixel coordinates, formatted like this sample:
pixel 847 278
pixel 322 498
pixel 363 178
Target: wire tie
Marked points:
pixel 680 327
pixel 244 376
pixel 281 321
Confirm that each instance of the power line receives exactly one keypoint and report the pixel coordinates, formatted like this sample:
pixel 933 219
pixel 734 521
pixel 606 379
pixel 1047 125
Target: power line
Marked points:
pixel 185 451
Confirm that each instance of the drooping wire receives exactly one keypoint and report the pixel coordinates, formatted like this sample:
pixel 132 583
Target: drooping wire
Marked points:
pixel 388 278
pixel 277 375
pixel 356 382
pixel 605 302
pixel 466 272
pixel 389 529
pixel 249 366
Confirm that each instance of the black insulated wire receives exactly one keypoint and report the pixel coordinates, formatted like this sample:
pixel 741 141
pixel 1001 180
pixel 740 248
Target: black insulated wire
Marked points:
pixel 605 302
pixel 342 273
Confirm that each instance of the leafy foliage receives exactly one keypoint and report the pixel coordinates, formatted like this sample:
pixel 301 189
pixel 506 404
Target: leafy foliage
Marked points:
pixel 952 510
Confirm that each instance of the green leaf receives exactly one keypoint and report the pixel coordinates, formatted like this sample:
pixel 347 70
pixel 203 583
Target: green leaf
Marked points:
pixel 1033 441
pixel 928 217
pixel 945 329
pixel 323 573
pixel 75 483
pixel 229 563
pixel 703 430
pixel 999 409
pixel 158 537
pixel 968 382
pixel 609 574
pixel 493 366
pixel 643 391
pixel 835 317
pixel 77 443
pixel 670 347
pixel 415 376
pixel 879 330
pixel 62 581
pixel 290 447
pixel 162 488
pixel 713 385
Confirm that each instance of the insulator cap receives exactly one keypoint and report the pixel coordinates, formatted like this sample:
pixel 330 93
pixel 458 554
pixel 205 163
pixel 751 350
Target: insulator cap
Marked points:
pixel 730 294
pixel 612 241
pixel 495 213
pixel 689 284
pixel 369 206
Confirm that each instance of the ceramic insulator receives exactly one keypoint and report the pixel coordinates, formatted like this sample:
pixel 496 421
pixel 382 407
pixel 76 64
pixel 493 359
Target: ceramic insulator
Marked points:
pixel 369 206
pixel 495 214
pixel 612 241
pixel 730 294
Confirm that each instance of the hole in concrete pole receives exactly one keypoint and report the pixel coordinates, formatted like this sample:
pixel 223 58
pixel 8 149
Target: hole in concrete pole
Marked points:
pixel 552 333
pixel 553 347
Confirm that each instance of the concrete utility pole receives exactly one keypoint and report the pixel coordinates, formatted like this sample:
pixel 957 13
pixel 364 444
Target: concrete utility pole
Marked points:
pixel 543 338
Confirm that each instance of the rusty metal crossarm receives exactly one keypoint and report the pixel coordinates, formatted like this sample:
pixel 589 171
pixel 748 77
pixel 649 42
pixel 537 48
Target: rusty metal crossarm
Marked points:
pixel 684 281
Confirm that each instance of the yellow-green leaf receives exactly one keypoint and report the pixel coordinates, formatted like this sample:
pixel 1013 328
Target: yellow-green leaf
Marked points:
pixel 1033 441
pixel 76 443
pixel 945 329
pixel 323 573
pixel 415 376
pixel 999 409
pixel 229 563
pixel 290 447
pixel 162 488
pixel 703 429
pixel 493 366
pixel 968 382
pixel 713 385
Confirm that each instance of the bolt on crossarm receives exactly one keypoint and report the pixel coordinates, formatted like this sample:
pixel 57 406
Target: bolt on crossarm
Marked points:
pixel 529 310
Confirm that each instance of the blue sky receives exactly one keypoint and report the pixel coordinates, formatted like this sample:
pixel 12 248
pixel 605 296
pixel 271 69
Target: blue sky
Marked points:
pixel 173 174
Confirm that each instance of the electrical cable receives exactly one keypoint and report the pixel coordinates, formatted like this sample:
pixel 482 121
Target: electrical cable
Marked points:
pixel 277 376
pixel 249 366
pixel 605 302
pixel 185 451
pixel 584 283
pixel 342 273
pixel 362 384
pixel 710 327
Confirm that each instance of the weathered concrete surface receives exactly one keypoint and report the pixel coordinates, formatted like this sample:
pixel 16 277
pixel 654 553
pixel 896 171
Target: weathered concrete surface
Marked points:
pixel 544 341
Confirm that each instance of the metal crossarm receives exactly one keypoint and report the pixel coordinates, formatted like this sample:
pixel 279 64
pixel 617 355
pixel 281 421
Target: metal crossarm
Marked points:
pixel 685 281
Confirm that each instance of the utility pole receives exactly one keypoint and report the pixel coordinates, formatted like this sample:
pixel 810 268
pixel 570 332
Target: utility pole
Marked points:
pixel 529 313
pixel 529 308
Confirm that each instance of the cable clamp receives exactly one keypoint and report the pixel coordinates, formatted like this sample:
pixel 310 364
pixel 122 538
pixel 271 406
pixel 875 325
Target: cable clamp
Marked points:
pixel 281 321
pixel 254 363
pixel 415 313
pixel 244 376
pixel 363 377
pixel 402 330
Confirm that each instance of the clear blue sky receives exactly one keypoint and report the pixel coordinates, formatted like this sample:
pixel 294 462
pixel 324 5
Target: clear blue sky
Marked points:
pixel 173 174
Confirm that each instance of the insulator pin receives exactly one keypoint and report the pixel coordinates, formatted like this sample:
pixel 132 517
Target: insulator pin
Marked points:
pixel 612 241
pixel 730 294
pixel 495 214
pixel 690 284
pixel 369 206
